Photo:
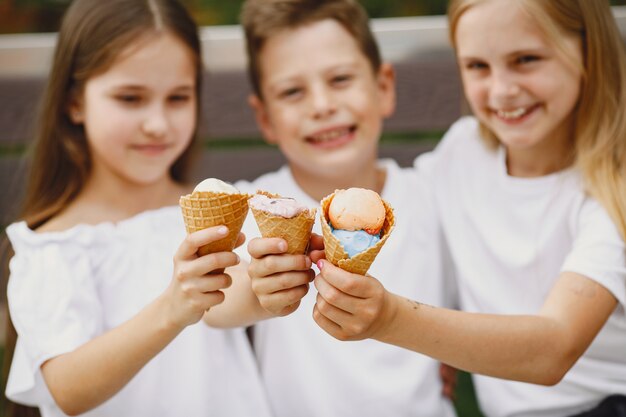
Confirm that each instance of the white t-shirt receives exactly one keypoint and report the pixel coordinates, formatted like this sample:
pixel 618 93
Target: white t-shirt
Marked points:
pixel 309 373
pixel 69 287
pixel 510 238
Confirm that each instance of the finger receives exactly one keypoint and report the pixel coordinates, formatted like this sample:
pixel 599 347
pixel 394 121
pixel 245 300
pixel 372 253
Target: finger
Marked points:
pixel 260 247
pixel 328 325
pixel 352 284
pixel 334 296
pixel 316 242
pixel 211 299
pixel 281 282
pixel 211 283
pixel 241 238
pixel 212 263
pixel 334 314
pixel 194 241
pixel 274 264
pixel 316 255
pixel 281 300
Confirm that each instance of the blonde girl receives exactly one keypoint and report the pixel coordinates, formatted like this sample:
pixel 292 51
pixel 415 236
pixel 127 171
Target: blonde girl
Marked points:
pixel 530 193
pixel 106 325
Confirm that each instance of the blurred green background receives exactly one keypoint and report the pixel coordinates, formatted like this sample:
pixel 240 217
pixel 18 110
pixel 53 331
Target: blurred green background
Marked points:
pixel 19 16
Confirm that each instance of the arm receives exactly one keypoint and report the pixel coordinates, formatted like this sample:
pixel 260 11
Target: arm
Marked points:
pixel 86 377
pixel 533 348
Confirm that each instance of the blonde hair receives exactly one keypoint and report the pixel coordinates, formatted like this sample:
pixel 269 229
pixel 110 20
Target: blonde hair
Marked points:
pixel 92 35
pixel 600 119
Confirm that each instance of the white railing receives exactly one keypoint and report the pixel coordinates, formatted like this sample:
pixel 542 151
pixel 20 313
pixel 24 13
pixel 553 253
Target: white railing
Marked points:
pixel 400 39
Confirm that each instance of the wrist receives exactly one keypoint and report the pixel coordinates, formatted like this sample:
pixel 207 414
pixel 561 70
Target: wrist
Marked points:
pixel 388 317
pixel 165 318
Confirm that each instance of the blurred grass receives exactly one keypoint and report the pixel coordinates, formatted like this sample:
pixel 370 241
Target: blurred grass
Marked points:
pixel 465 403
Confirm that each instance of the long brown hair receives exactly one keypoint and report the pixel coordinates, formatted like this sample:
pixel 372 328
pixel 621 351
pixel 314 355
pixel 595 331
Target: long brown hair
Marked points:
pixel 92 35
pixel 261 19
pixel 600 119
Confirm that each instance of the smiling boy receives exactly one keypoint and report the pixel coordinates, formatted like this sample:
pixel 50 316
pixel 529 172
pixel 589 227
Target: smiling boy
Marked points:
pixel 321 94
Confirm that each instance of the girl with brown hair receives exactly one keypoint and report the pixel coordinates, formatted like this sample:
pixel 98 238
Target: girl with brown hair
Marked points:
pixel 106 325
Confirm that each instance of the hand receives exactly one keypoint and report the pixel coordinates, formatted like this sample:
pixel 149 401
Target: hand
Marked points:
pixel 448 375
pixel 279 280
pixel 349 306
pixel 198 280
pixel 316 248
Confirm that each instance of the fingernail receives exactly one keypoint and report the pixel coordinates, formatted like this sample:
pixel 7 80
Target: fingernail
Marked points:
pixel 282 246
pixel 320 264
pixel 238 258
pixel 223 230
pixel 308 262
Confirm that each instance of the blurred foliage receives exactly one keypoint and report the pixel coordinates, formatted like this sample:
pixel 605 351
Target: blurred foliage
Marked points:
pixel 18 16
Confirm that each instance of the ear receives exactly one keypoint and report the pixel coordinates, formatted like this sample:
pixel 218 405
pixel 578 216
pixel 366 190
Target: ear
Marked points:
pixel 76 110
pixel 262 118
pixel 386 79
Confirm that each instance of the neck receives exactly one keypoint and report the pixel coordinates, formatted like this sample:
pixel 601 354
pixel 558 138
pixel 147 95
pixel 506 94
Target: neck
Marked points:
pixel 543 159
pixel 318 185
pixel 118 199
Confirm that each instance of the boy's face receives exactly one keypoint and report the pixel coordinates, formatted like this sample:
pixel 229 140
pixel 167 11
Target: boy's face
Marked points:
pixel 322 103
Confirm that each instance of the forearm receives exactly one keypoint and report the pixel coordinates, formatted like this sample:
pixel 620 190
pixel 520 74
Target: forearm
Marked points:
pixel 93 373
pixel 534 349
pixel 241 307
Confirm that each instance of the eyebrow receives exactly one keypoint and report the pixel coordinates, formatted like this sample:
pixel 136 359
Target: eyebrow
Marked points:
pixel 137 87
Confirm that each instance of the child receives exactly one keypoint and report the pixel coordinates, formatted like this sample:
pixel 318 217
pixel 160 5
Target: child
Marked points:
pixel 534 215
pixel 321 94
pixel 103 328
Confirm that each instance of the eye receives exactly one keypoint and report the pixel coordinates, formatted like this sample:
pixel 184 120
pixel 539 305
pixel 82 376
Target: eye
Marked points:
pixel 129 98
pixel 290 93
pixel 527 59
pixel 476 65
pixel 179 98
pixel 341 80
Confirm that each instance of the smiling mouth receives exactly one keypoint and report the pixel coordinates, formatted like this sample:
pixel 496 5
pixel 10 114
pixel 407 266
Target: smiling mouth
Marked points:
pixel 150 149
pixel 515 114
pixel 330 136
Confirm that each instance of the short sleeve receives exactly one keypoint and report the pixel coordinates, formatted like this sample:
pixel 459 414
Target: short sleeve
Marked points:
pixel 53 303
pixel 598 251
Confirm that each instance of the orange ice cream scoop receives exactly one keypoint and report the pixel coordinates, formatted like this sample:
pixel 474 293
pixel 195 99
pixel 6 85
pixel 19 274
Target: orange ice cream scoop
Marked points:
pixel 357 209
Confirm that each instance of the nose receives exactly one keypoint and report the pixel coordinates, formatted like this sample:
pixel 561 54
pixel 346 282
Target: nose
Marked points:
pixel 155 123
pixel 323 102
pixel 504 85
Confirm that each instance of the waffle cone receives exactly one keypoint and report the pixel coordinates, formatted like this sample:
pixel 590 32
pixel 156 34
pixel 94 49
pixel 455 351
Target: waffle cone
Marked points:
pixel 296 230
pixel 203 209
pixel 359 263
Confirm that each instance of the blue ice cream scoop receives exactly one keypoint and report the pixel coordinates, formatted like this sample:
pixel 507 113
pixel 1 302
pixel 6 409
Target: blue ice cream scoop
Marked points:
pixel 354 242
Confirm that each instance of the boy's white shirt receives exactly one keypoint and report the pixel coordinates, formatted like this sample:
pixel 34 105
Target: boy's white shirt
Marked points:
pixel 306 372
pixel 68 287
pixel 509 239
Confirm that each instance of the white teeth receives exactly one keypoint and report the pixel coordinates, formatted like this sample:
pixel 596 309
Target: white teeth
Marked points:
pixel 330 135
pixel 513 114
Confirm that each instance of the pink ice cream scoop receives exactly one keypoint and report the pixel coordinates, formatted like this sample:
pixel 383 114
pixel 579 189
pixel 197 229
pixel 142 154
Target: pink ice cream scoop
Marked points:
pixel 283 207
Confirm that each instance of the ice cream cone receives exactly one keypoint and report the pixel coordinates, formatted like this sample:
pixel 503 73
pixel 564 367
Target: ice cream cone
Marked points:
pixel 360 263
pixel 203 209
pixel 296 230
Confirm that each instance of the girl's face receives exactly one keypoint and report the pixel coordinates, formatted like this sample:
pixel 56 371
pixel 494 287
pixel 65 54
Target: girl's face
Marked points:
pixel 517 83
pixel 140 114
